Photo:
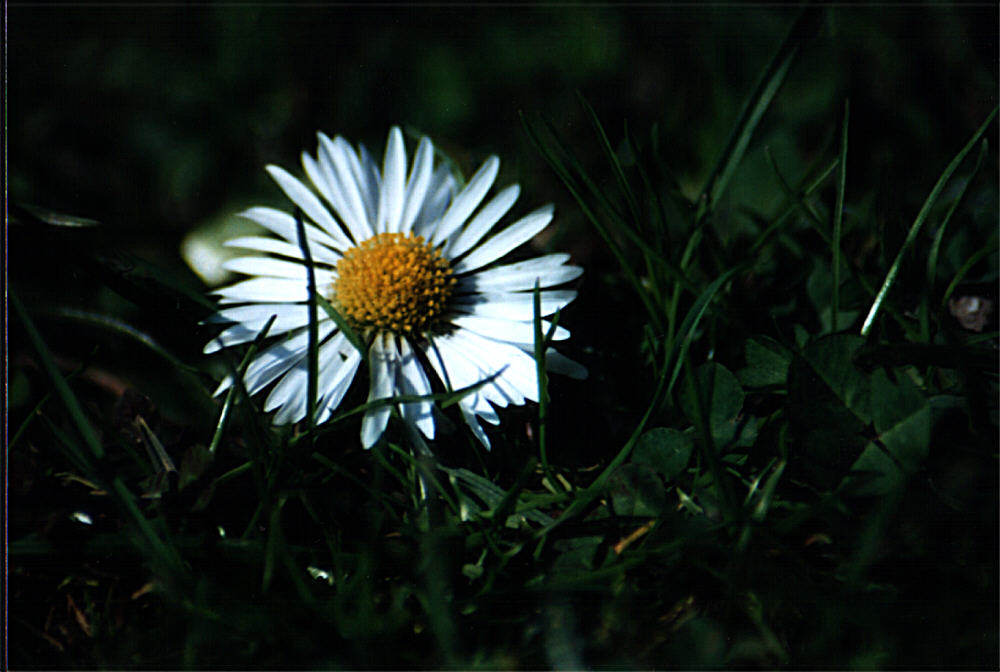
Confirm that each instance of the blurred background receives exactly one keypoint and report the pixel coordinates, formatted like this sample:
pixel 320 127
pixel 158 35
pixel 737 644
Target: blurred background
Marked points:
pixel 158 119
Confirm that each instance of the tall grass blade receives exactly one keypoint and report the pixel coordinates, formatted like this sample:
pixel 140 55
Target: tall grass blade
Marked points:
pixel 65 395
pixel 750 115
pixel 838 217
pixel 918 223
pixel 932 256
pixel 237 387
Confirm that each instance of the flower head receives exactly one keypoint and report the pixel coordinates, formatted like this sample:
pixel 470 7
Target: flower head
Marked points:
pixel 406 257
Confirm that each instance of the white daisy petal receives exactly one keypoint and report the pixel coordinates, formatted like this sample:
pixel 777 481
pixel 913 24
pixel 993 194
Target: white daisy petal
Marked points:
pixel 263 290
pixel 289 396
pixel 517 367
pixel 283 224
pixel 390 205
pixel 311 206
pixel 439 195
pixel 505 330
pixel 233 335
pixel 329 187
pixel 512 279
pixel 383 360
pixel 335 159
pixel 340 378
pixel 560 363
pixel 457 368
pixel 482 222
pixel 276 268
pixel 514 235
pixel 287 316
pixel 276 360
pixel 417 185
pixel 512 306
pixel 338 362
pixel 411 379
pixel 319 253
pixel 369 178
pixel 467 201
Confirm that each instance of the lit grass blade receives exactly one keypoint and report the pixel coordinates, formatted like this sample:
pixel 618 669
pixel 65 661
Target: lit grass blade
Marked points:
pixel 932 256
pixel 352 336
pixel 838 217
pixel 918 223
pixel 237 387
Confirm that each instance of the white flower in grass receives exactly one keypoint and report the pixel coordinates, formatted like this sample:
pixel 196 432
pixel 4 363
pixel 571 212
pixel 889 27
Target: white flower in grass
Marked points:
pixel 408 260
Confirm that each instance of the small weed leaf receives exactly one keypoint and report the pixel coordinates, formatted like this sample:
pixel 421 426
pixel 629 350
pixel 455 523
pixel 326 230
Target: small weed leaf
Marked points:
pixel 636 491
pixel 829 406
pixel 722 391
pixel 664 451
pixel 767 363
pixel 902 417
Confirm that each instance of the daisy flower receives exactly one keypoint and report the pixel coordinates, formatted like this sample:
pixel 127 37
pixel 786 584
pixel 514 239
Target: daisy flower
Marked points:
pixel 410 261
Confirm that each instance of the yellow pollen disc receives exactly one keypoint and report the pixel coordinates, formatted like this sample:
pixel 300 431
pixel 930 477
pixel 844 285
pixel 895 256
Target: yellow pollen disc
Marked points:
pixel 393 282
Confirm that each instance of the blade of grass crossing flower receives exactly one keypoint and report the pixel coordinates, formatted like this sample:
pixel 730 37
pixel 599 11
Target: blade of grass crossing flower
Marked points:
pixel 838 217
pixel 932 256
pixel 750 115
pixel 237 387
pixel 313 327
pixel 345 326
pixel 918 223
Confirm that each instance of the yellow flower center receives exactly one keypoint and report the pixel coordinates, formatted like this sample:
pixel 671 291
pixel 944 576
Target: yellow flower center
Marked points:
pixel 393 282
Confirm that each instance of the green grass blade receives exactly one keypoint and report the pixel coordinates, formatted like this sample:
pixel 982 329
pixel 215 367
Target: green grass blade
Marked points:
pixel 37 409
pixel 237 387
pixel 918 223
pixel 932 256
pixel 352 336
pixel 65 395
pixel 746 123
pixel 976 257
pixel 612 157
pixel 838 217
pixel 119 327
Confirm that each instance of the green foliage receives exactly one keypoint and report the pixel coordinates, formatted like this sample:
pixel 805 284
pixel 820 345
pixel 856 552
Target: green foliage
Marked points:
pixel 785 454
